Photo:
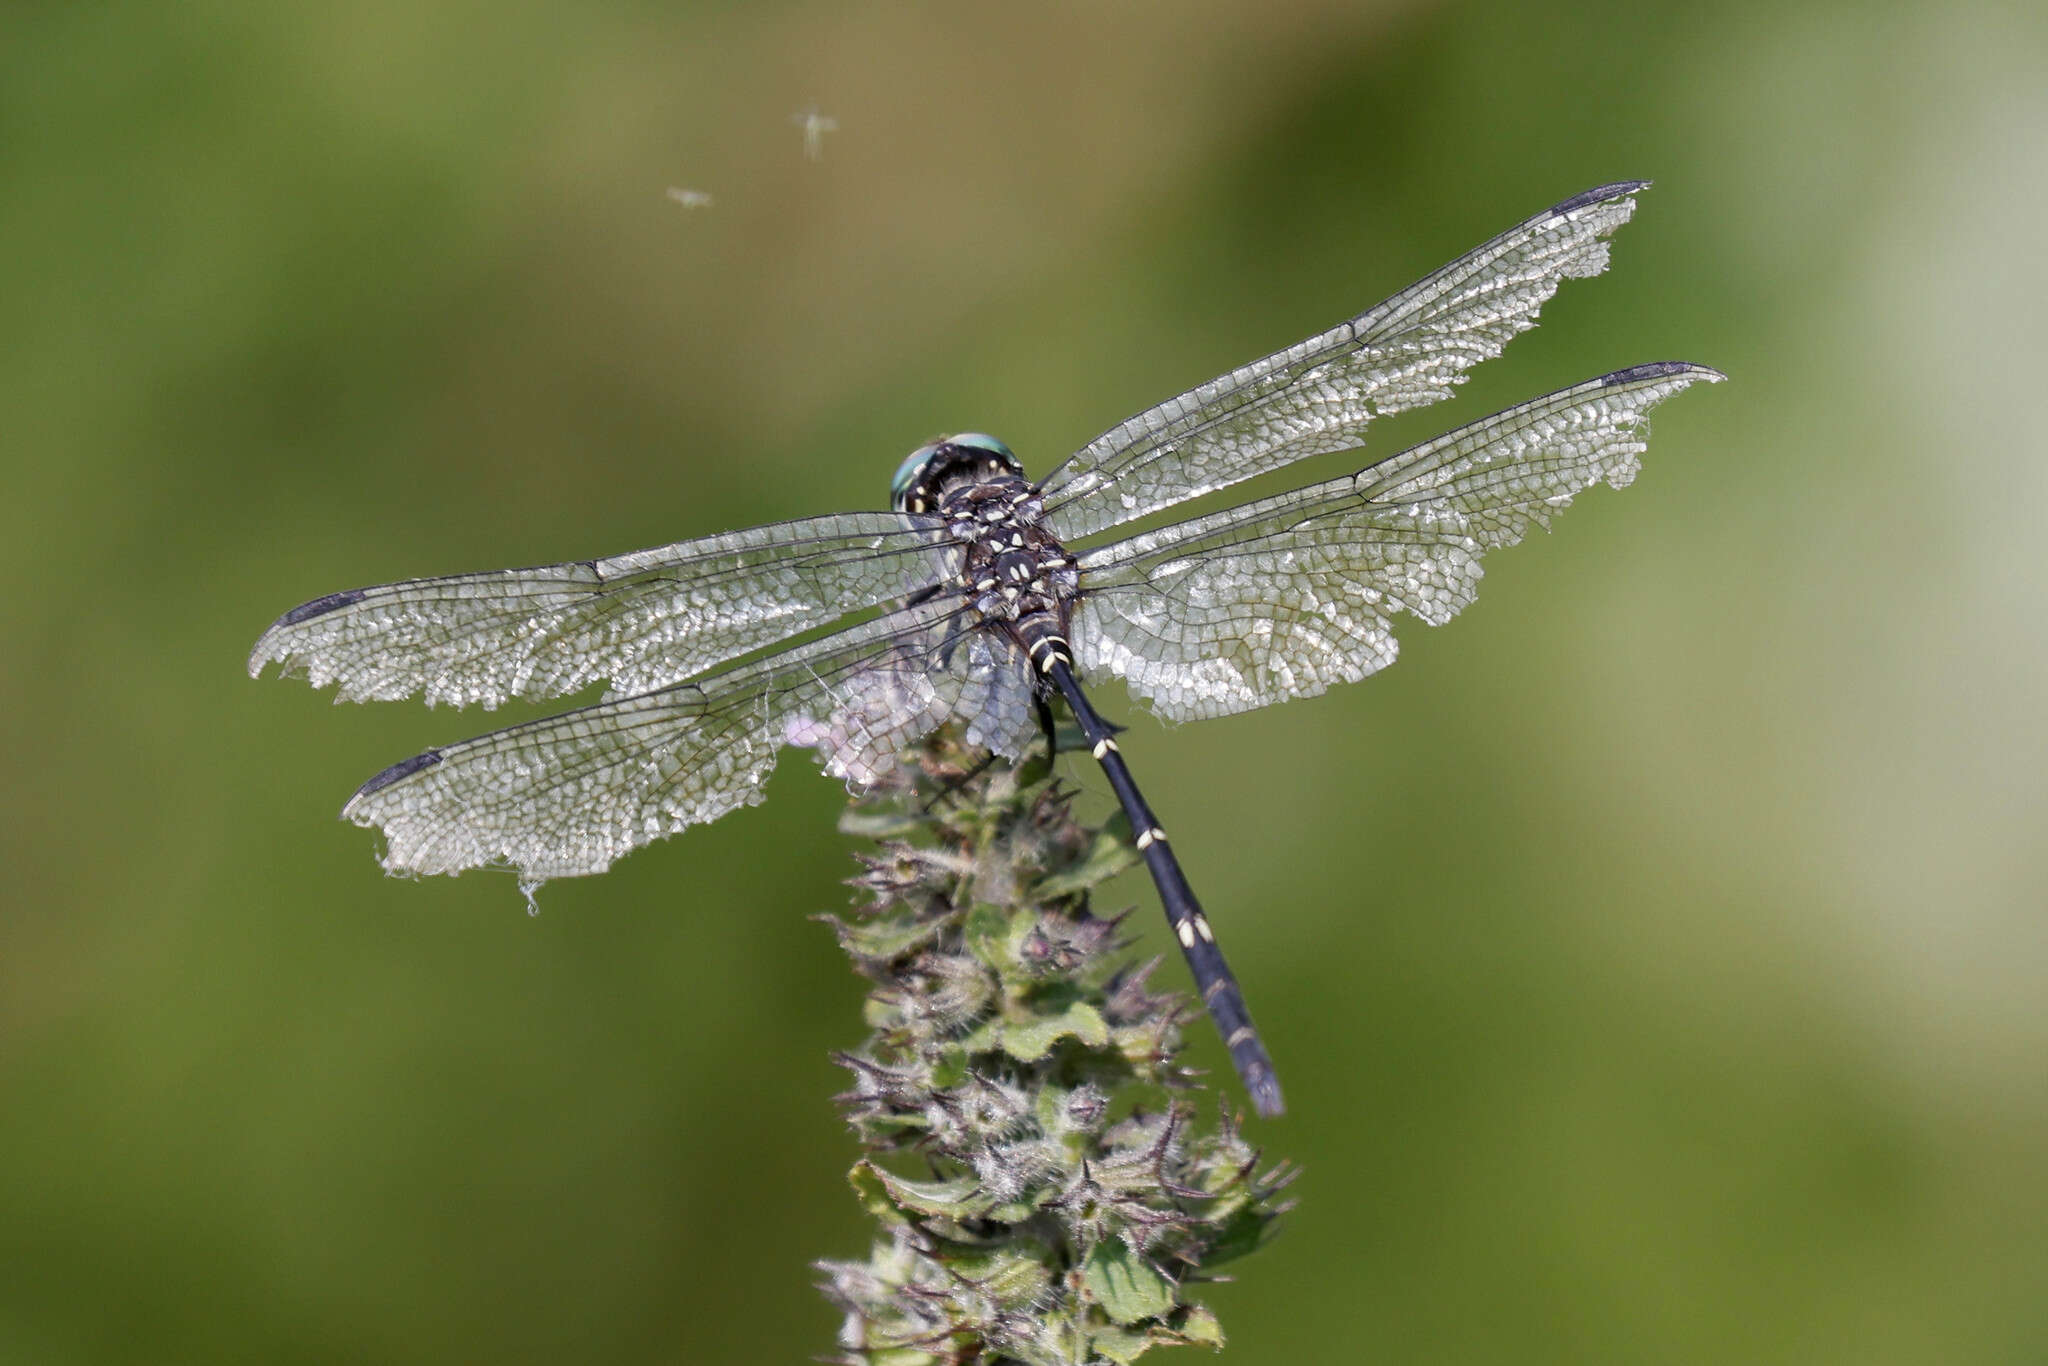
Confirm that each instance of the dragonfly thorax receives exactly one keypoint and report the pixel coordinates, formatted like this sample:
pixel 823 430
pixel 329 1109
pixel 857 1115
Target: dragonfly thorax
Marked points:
pixel 1013 567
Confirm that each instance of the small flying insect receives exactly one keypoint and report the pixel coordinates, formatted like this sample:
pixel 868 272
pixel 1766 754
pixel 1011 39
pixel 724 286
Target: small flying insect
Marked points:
pixel 815 126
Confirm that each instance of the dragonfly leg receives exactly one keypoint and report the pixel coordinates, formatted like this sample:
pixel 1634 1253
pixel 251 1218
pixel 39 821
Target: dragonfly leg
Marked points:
pixel 1047 725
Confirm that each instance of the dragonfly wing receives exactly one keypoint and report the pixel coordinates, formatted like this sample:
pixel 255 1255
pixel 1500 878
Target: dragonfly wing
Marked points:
pixel 1319 395
pixel 1287 596
pixel 639 621
pixel 952 671
pixel 570 794
pixel 997 698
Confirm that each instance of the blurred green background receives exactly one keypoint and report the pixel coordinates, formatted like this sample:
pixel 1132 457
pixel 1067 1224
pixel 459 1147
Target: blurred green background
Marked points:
pixel 1654 957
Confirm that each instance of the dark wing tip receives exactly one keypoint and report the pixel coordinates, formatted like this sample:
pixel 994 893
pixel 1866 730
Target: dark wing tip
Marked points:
pixel 269 646
pixel 1599 194
pixel 1663 369
pixel 320 607
pixel 404 768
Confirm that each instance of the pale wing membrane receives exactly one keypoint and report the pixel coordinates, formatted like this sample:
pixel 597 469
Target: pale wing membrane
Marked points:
pixel 1318 396
pixel 639 621
pixel 570 794
pixel 1287 596
pixel 982 680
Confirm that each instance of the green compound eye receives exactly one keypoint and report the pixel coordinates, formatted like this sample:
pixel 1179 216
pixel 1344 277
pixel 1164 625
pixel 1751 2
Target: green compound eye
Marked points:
pixel 924 460
pixel 982 441
pixel 908 472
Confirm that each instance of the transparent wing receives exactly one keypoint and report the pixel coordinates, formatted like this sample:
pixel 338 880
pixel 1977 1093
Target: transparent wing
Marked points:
pixel 1318 396
pixel 1286 596
pixel 641 621
pixel 568 795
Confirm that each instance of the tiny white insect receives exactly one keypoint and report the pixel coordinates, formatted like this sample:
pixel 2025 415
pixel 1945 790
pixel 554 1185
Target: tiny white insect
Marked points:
pixel 815 126
pixel 689 199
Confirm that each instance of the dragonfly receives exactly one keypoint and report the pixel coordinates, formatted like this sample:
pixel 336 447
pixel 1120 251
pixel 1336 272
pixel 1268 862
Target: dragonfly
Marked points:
pixel 983 598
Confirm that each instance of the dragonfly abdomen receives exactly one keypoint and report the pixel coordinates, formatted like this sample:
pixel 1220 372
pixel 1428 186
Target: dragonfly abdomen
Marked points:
pixel 1214 981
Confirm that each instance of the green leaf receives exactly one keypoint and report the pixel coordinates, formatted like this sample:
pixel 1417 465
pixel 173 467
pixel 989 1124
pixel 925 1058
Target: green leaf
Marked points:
pixel 1199 1328
pixel 949 1067
pixel 986 1037
pixel 880 825
pixel 1243 1232
pixel 1034 769
pixel 1127 1286
pixel 900 1356
pixel 886 936
pixel 1014 1280
pixel 960 1198
pixel 1017 1211
pixel 994 935
pixel 1029 1040
pixel 1108 854
pixel 1120 1345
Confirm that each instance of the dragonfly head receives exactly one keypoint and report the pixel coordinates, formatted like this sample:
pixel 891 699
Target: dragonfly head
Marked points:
pixel 926 471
